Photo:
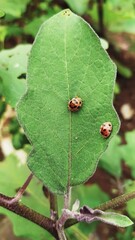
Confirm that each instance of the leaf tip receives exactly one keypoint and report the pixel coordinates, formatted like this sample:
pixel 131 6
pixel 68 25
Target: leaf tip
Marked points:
pixel 67 12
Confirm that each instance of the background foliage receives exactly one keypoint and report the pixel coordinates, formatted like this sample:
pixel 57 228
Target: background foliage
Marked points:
pixel 116 172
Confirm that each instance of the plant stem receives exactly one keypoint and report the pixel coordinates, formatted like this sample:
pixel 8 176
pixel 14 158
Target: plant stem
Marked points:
pixel 67 198
pixel 24 211
pixel 115 202
pixel 53 203
pixel 100 17
pixel 61 234
pixel 53 206
pixel 22 189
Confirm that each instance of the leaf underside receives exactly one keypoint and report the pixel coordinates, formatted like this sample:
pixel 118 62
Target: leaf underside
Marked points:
pixel 66 61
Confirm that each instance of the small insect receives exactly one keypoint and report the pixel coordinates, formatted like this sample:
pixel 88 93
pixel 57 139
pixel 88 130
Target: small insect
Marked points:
pixel 106 129
pixel 75 104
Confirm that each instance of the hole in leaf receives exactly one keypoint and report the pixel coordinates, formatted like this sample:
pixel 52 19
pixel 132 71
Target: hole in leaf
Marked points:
pixel 22 76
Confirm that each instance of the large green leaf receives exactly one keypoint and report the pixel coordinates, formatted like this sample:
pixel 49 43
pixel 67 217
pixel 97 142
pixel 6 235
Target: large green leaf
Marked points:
pixel 12 176
pixel 13 64
pixel 67 60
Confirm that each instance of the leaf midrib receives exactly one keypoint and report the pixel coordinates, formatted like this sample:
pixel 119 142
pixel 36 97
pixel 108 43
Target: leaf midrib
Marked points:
pixel 70 116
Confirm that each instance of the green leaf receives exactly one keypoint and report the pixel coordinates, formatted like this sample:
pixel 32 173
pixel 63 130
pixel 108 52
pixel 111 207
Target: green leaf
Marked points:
pixel 79 7
pixel 33 26
pixel 14 8
pixel 67 60
pixel 111 159
pixel 123 70
pixel 115 219
pixel 13 64
pixel 119 15
pixel 128 151
pixel 12 176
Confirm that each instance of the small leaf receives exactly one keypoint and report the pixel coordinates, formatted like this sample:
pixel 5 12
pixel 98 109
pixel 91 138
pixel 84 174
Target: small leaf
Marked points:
pixel 76 205
pixel 115 219
pixel 13 64
pixel 90 215
pixel 67 60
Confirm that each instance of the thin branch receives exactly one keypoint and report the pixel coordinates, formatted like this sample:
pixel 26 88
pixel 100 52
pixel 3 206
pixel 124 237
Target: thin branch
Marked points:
pixel 22 189
pixel 116 202
pixel 100 17
pixel 53 203
pixel 29 214
pixel 67 198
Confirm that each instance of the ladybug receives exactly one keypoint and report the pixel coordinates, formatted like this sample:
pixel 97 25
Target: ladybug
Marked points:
pixel 74 104
pixel 106 129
